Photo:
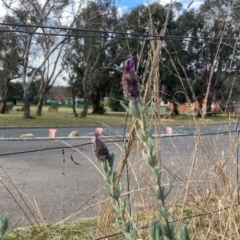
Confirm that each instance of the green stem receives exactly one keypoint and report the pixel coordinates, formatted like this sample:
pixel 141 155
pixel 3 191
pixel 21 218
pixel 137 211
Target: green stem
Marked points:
pixel 163 204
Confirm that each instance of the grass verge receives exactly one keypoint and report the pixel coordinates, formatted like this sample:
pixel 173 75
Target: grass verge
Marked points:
pixel 65 118
pixel 200 225
pixel 62 118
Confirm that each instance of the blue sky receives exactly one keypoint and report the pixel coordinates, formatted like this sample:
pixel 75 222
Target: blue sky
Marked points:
pixel 134 3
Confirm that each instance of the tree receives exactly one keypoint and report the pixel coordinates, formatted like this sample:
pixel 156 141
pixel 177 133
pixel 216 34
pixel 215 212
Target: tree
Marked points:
pixel 49 73
pixel 221 21
pixel 154 20
pixel 72 81
pixel 15 92
pixel 41 54
pixel 203 63
pixel 10 62
pixel 176 64
pixel 91 58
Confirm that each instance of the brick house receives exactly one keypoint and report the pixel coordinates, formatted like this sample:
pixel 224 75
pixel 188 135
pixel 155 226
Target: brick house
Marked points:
pixel 60 98
pixel 194 106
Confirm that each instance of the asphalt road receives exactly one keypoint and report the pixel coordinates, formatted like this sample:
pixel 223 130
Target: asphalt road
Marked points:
pixel 48 185
pixel 89 131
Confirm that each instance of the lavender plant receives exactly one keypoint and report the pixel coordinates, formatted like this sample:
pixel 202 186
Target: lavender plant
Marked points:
pixel 110 177
pixel 136 108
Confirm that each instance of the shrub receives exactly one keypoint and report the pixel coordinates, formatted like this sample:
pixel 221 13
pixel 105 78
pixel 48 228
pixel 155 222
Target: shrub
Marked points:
pixel 101 109
pixel 9 106
pixel 35 100
pixel 54 107
pixel 114 105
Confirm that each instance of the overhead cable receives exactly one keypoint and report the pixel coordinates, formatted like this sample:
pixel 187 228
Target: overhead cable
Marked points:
pixel 74 32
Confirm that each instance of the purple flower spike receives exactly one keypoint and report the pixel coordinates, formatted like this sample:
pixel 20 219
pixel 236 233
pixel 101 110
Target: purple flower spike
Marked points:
pixel 129 65
pixel 130 81
pixel 99 148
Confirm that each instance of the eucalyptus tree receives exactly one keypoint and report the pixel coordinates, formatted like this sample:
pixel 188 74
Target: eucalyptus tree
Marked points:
pixel 10 63
pixel 52 68
pixel 175 63
pixel 41 54
pixel 177 70
pixel 15 92
pixel 72 80
pixel 208 55
pixel 153 21
pixel 221 59
pixel 91 57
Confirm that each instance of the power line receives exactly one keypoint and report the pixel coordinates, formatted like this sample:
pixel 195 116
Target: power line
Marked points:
pixel 67 35
pixel 136 36
pixel 49 149
pixel 74 29
pixel 113 32
pixel 185 39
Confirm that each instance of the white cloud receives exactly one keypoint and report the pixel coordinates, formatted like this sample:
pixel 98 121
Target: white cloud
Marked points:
pixel 2 10
pixel 185 3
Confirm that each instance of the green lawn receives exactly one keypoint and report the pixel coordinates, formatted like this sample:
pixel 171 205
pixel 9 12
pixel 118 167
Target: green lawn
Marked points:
pixel 65 118
pixel 62 118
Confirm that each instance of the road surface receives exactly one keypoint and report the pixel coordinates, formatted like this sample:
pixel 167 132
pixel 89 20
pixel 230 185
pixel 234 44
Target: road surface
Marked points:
pixel 50 186
pixel 88 131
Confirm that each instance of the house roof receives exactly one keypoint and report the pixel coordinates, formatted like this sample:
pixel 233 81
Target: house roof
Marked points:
pixel 60 95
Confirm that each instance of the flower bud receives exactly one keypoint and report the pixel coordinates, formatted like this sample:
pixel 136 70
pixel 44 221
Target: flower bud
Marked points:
pixel 99 148
pixel 130 81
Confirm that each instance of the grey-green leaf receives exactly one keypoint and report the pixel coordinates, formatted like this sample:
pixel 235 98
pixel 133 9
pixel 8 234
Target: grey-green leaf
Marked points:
pixel 166 191
pixel 3 225
pixel 133 234
pixel 158 174
pixel 156 192
pixel 127 226
pixel 184 233
pixel 164 212
pixel 155 231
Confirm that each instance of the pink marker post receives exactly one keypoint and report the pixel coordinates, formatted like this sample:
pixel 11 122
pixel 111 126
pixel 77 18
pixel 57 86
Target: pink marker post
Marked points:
pixel 52 133
pixel 99 131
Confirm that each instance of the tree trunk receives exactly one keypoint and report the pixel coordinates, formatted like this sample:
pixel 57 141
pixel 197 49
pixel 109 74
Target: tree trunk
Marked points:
pixel 26 106
pixel 85 107
pixel 74 103
pixel 96 102
pixel 95 107
pixel 74 108
pixel 209 106
pixel 175 109
pixel 204 106
pixel 40 105
pixel 200 106
pixel 5 96
pixel 3 106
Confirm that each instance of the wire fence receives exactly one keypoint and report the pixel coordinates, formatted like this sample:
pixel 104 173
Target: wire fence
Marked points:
pixel 175 221
pixel 206 213
pixel 110 141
